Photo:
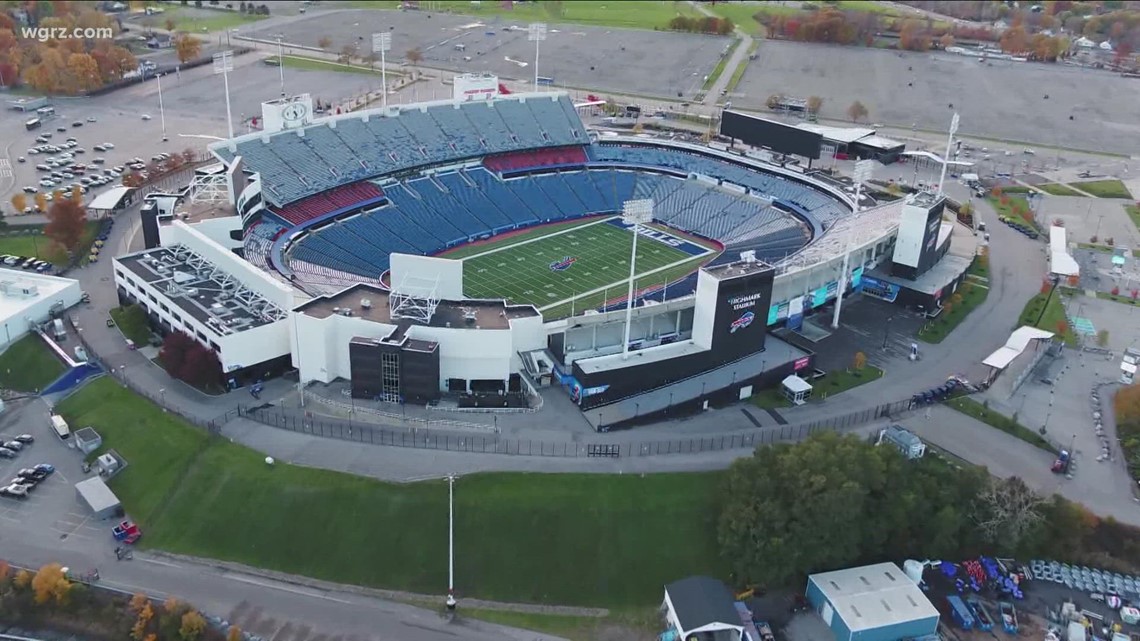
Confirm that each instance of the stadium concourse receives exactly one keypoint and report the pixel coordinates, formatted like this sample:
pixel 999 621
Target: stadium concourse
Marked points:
pixel 467 253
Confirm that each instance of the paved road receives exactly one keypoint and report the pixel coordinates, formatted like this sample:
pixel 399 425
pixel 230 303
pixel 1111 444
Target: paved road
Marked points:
pixel 739 57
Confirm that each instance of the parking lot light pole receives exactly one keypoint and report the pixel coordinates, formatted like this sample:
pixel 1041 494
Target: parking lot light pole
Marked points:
pixel 382 43
pixel 224 64
pixel 161 110
pixel 949 145
pixel 635 213
pixel 281 62
pixel 536 33
pixel 451 543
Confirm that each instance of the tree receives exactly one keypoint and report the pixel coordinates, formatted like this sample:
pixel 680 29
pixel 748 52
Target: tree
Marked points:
pixel 324 42
pixel 814 103
pixel 834 500
pixel 23 579
pixel 41 202
pixel 859 362
pixel 774 101
pixel 67 221
pixel 19 203
pixel 188 47
pixel 192 626
pixel 346 54
pixel 946 41
pixel 174 350
pixel 170 24
pixel 1046 286
pixel 1062 327
pixel 415 57
pixel 137 602
pixel 1014 40
pixel 77 195
pixel 1007 511
pixel 1102 338
pixel 857 111
pixel 50 584
pixel 201 367
pixel 233 634
pixel 139 629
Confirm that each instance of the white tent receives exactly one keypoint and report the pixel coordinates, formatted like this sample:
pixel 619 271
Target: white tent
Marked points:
pixel 1018 341
pixel 1060 262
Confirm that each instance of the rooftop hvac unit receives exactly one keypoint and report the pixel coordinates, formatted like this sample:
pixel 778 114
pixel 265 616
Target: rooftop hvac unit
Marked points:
pixel 160 269
pixel 191 291
pixel 336 310
pixel 366 303
pixel 346 311
pixel 748 256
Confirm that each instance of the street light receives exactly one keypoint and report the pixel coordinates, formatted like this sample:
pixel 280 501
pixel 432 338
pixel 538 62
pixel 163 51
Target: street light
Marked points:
pixel 382 43
pixel 887 330
pixel 161 110
pixel 633 213
pixel 536 33
pixel 949 144
pixel 224 64
pixel 451 542
pixel 281 62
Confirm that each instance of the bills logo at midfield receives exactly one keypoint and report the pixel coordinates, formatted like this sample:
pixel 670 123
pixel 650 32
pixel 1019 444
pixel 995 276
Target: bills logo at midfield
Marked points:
pixel 744 321
pixel 564 264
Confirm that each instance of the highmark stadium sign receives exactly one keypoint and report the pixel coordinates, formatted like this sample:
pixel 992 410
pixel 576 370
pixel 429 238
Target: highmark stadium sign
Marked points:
pixel 744 302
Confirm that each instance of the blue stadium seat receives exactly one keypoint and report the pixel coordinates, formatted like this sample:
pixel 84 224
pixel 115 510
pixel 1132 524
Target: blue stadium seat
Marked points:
pixel 497 192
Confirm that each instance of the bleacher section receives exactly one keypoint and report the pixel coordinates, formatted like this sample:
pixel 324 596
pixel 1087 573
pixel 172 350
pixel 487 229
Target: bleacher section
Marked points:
pixel 429 214
pixel 537 158
pixel 294 166
pixel 823 208
pixel 327 202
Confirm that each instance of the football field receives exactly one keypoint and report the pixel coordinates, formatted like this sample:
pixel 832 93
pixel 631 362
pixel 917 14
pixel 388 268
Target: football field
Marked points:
pixel 581 265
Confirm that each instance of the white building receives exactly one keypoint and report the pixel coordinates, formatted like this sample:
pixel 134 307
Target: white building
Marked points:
pixel 28 299
pixel 195 285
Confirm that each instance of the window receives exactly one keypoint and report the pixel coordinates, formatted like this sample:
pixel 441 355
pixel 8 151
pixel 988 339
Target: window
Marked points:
pixel 214 346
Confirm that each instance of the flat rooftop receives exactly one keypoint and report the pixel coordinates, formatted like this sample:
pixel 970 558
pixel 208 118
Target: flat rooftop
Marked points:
pixel 847 233
pixel 19 290
pixel 874 596
pixel 372 303
pixel 201 289
pixel 738 269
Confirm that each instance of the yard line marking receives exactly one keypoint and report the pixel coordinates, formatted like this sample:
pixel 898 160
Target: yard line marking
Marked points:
pixel 535 239
pixel 264 584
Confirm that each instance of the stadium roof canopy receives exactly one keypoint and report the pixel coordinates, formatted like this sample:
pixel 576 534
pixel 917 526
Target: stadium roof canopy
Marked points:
pixel 844 135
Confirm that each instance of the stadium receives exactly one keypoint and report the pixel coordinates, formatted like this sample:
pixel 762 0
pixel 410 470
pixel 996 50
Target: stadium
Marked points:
pixel 471 251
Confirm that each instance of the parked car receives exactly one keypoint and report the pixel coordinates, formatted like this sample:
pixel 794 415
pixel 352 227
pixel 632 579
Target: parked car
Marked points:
pixel 46 468
pixel 7 453
pixel 15 446
pixel 14 492
pixel 25 438
pixel 77 123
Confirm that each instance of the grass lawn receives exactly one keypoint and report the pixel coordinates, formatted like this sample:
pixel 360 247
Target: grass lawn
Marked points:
pixel 1053 315
pixel 160 449
pixel 132 322
pixel 1058 189
pixel 197 23
pixel 639 623
pixel 633 14
pixel 1134 214
pixel 738 73
pixel 29 365
pixel 834 382
pixel 1104 188
pixel 741 14
pixel 1014 207
pixel 1124 298
pixel 970 407
pixel 939 328
pixel 600 540
pixel 312 64
pixel 1015 189
pixel 980 267
pixel 28 240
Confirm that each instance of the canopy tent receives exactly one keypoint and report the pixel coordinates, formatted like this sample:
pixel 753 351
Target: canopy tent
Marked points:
pixel 1018 341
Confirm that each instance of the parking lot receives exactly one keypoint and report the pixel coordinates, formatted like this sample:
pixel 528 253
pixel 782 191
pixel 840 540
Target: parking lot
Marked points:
pixel 606 59
pixel 924 89
pixel 52 507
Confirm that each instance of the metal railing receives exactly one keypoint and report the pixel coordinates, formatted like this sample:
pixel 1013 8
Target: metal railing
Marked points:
pixel 493 444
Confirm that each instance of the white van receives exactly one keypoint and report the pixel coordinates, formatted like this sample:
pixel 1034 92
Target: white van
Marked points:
pixel 60 427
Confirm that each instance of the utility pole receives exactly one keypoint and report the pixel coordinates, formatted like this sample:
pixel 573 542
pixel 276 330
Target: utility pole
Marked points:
pixel 451 543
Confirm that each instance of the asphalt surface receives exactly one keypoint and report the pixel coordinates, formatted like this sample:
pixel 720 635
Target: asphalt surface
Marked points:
pixel 625 60
pixel 903 89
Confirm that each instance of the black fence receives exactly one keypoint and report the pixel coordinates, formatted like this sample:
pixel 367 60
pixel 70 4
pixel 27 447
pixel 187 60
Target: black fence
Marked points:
pixel 429 439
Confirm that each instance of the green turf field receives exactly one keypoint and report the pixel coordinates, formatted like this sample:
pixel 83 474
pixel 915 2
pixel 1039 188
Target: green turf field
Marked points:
pixel 520 268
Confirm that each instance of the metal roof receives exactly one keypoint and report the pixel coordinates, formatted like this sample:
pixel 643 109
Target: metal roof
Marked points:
pixel 873 596
pixel 700 601
pixel 96 494
pixel 844 135
pixel 1018 341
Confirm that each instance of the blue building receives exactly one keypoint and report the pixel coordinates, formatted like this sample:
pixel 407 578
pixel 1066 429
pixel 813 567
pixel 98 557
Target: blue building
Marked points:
pixel 872 603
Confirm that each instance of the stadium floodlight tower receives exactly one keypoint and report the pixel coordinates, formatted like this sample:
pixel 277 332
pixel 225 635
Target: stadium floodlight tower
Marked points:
pixel 864 169
pixel 536 33
pixel 949 145
pixel 224 64
pixel 635 213
pixel 382 44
